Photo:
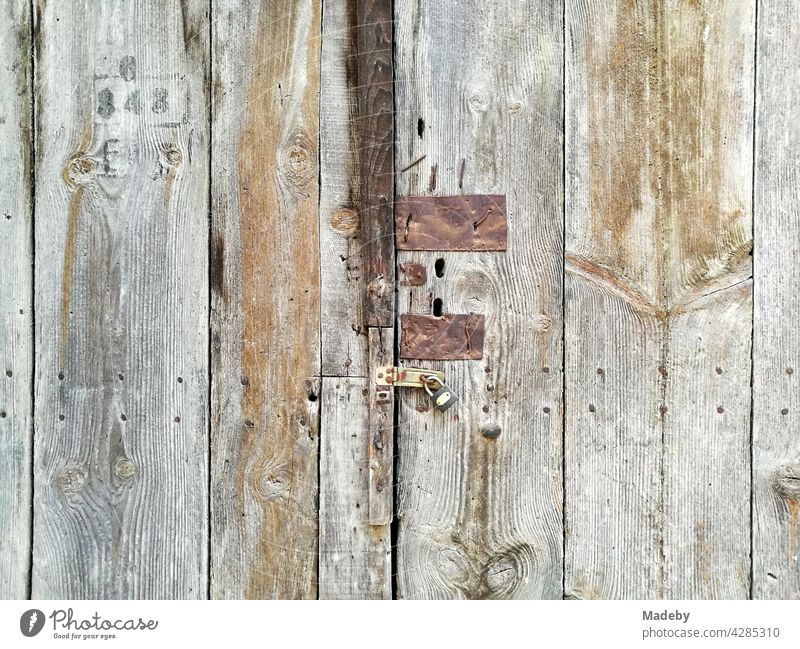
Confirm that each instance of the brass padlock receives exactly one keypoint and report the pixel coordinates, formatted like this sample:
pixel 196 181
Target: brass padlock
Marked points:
pixel 443 397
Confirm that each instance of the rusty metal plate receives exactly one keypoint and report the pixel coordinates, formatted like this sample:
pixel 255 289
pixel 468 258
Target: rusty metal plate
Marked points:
pixel 449 337
pixel 475 222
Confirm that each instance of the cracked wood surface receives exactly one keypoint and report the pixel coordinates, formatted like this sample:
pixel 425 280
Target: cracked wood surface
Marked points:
pixel 121 301
pixel 658 297
pixel 479 95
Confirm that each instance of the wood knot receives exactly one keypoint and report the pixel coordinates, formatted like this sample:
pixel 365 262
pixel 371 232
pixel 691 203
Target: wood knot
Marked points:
pixel 478 101
pixel 79 171
pixel 515 106
pixel 453 565
pixel 172 156
pixel 542 323
pixel 507 571
pixel 787 482
pixel 297 161
pixel 124 469
pixel 271 483
pixel 71 480
pixel 345 221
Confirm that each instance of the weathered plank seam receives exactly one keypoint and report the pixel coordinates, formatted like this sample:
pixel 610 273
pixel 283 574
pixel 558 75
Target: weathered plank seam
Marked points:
pixel 563 299
pixel 209 350
pixel 33 17
pixel 753 301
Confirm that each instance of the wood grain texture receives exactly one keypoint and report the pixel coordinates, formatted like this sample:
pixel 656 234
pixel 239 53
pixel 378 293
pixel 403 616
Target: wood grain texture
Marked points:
pixel 776 341
pixel 344 338
pixel 16 297
pixel 375 84
pixel 479 517
pixel 658 296
pixel 265 297
pixel 121 301
pixel 354 556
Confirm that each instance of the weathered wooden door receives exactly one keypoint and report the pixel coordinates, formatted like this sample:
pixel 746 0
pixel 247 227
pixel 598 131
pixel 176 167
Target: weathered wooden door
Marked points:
pixel 220 221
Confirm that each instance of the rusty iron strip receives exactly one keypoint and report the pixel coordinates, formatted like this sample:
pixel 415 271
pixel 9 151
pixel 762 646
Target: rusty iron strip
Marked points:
pixel 448 337
pixel 475 222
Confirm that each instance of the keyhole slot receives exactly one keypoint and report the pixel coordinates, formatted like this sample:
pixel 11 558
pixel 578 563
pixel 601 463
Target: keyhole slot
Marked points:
pixel 438 267
pixel 437 307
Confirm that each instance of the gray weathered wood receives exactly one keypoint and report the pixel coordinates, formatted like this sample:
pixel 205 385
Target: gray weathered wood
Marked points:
pixel 121 300
pixel 658 297
pixel 776 342
pixel 265 284
pixel 16 297
pixel 481 517
pixel 354 556
pixel 344 336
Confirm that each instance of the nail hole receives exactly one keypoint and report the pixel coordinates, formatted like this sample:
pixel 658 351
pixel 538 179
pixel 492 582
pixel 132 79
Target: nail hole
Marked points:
pixel 439 267
pixel 437 307
pixel 784 411
pixel 245 381
pixel 546 410
pixel 720 409
pixel 312 397
pixel 177 420
pixel 600 371
pixel 789 371
pixel 485 408
pixel 546 370
pixel 9 373
pixel 61 376
pixel 719 370
pixel 591 407
pixel 180 379
pixel 2 414
pixel 248 423
pixel 61 418
pixel 121 377
pixel 123 417
pixel 662 410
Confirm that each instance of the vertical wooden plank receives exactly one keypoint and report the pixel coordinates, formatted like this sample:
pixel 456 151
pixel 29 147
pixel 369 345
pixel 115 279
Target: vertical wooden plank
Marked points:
pixel 776 343
pixel 479 91
pixel 355 556
pixel 16 297
pixel 265 297
pixel 357 268
pixel 375 84
pixel 121 300
pixel 344 338
pixel 658 296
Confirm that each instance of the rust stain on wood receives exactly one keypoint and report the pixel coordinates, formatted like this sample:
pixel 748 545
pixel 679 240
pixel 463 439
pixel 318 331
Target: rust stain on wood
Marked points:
pixel 449 337
pixel 280 300
pixel 466 223
pixel 76 175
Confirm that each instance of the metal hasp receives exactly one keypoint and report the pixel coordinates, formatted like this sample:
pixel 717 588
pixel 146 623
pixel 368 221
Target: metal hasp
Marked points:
pixel 449 337
pixel 406 377
pixel 462 223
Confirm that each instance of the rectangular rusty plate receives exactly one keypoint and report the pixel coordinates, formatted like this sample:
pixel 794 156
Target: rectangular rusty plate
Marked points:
pixel 476 222
pixel 449 337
